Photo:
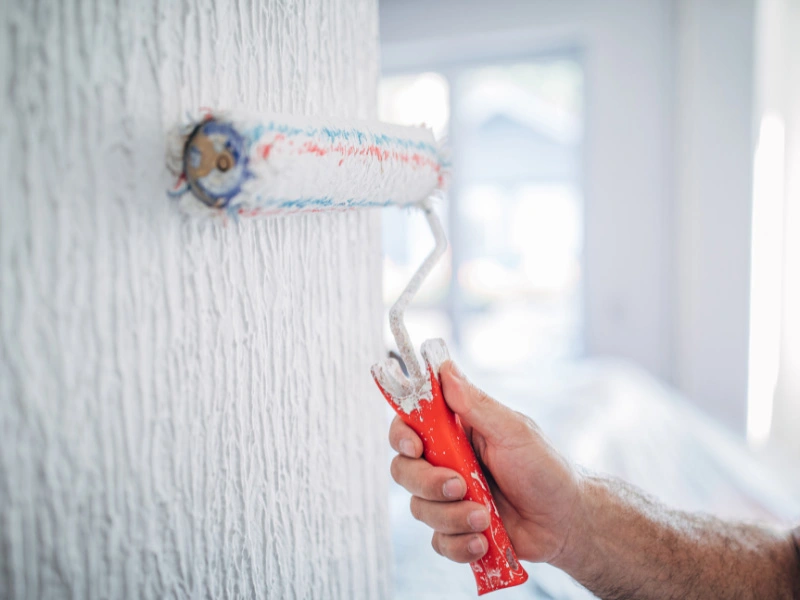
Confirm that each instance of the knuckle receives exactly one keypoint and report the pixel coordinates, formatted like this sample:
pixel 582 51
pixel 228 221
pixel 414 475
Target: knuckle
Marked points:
pixel 434 488
pixel 449 518
pixel 481 397
pixel 453 520
pixel 395 469
pixel 416 508
pixel 435 544
pixel 454 523
pixel 395 426
pixel 445 546
pixel 452 547
pixel 523 425
pixel 529 423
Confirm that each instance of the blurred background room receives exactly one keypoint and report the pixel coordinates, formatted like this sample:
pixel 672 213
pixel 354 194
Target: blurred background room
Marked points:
pixel 624 220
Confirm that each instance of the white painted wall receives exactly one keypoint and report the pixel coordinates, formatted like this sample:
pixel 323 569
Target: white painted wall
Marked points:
pixel 714 72
pixel 184 410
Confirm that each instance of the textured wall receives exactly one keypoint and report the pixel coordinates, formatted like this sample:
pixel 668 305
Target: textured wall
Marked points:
pixel 185 410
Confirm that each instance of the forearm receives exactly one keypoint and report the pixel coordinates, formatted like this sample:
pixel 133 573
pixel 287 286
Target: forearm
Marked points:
pixel 625 545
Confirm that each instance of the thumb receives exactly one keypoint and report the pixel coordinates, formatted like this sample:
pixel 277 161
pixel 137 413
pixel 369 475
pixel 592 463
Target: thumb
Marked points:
pixel 474 407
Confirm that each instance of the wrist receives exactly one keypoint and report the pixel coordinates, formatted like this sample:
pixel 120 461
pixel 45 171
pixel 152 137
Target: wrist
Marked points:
pixel 578 541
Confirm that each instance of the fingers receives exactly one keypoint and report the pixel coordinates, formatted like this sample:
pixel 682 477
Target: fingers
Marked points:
pixel 404 440
pixel 451 517
pixel 462 548
pixel 426 481
pixel 475 408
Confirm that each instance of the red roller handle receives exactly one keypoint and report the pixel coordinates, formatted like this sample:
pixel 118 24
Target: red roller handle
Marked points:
pixel 446 445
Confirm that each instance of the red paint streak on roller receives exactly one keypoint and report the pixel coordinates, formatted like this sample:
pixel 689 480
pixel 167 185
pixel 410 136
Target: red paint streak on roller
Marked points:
pixel 248 213
pixel 416 159
pixel 312 148
pixel 377 152
pixel 267 148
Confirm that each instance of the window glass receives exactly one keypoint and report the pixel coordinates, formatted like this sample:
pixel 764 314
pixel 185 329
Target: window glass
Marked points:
pixel 508 294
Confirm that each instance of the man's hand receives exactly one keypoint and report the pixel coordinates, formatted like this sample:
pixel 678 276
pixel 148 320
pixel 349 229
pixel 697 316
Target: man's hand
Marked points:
pixel 608 535
pixel 534 488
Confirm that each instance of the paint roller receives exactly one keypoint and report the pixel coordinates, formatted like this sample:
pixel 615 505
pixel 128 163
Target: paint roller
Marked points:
pixel 232 166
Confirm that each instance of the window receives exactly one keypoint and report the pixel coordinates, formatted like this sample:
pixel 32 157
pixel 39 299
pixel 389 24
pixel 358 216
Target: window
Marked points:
pixel 507 296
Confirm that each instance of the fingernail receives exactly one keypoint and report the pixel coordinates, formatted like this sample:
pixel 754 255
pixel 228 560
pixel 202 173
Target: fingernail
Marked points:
pixel 478 520
pixel 407 448
pixel 475 546
pixel 453 488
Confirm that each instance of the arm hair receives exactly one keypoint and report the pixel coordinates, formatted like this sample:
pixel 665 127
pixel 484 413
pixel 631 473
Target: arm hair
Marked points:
pixel 626 545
